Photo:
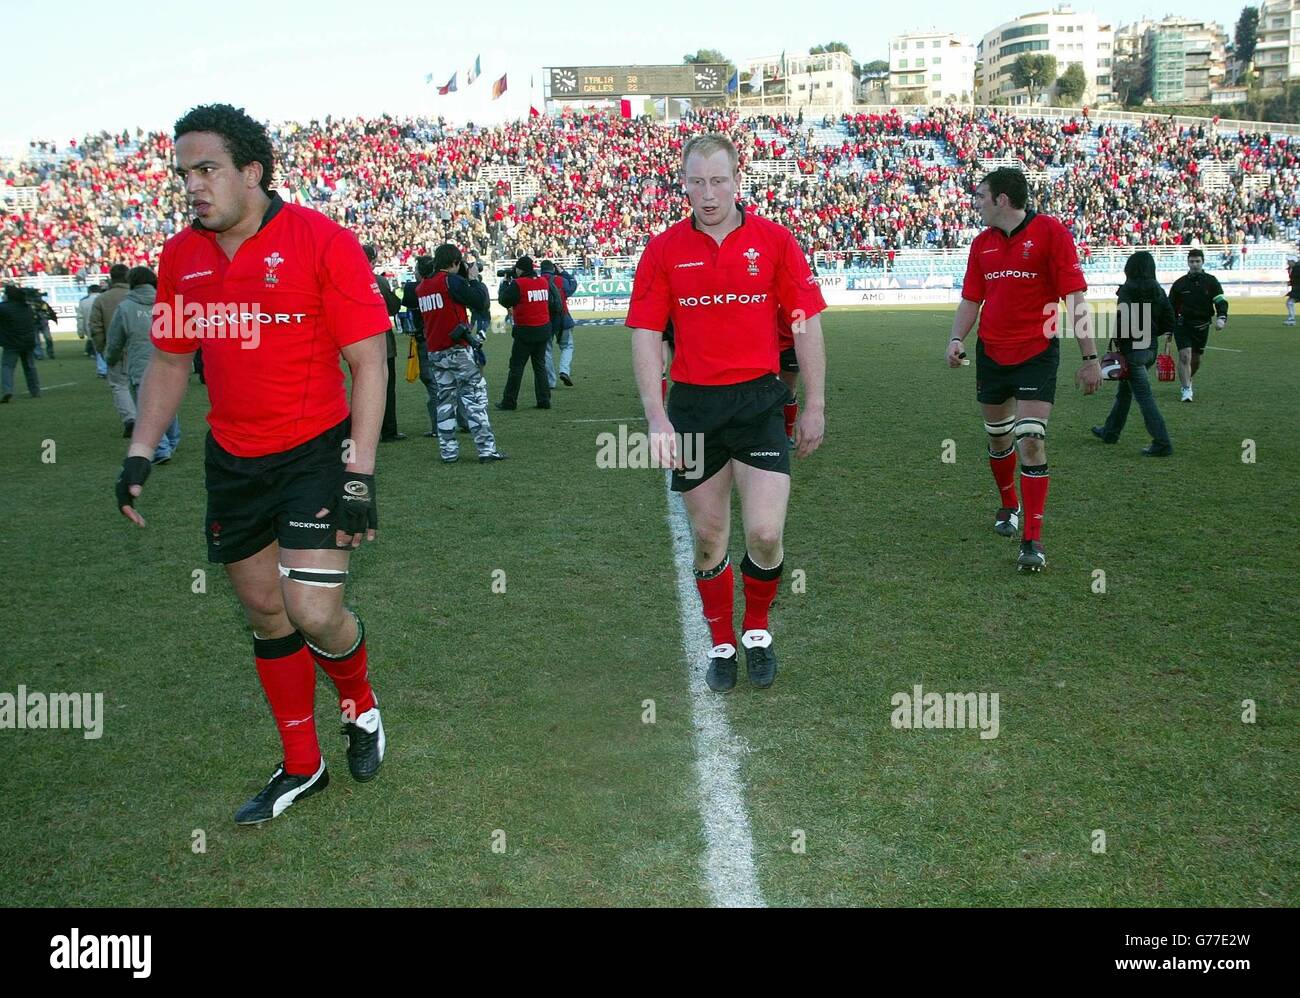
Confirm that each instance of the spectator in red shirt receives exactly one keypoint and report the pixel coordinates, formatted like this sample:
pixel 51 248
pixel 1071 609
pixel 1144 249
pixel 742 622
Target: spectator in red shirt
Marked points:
pixel 1018 270
pixel 289 470
pixel 719 276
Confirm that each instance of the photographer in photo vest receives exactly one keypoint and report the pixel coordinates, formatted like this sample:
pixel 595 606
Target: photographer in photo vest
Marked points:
pixel 536 305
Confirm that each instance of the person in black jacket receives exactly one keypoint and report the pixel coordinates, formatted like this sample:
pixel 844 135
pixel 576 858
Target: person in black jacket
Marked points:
pixel 18 338
pixel 482 317
pixel 44 316
pixel 1142 315
pixel 388 430
pixel 1198 300
pixel 1293 288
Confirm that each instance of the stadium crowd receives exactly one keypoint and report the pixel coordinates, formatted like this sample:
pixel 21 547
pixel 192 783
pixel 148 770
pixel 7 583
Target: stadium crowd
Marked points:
pixel 592 185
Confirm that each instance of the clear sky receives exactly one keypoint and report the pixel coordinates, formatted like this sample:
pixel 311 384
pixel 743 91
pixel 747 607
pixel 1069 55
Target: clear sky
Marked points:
pixel 74 66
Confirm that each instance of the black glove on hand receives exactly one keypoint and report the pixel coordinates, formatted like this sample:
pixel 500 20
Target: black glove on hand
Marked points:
pixel 135 470
pixel 355 510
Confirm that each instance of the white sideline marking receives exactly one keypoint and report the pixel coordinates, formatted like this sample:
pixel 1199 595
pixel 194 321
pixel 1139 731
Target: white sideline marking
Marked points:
pixel 729 855
pixel 50 388
pixel 610 419
pixel 1225 349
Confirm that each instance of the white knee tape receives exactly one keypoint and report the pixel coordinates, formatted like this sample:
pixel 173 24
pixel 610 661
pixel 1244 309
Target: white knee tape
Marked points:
pixel 324 578
pixel 1030 427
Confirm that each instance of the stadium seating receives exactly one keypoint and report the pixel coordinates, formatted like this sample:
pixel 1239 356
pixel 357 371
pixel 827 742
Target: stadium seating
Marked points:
pixel 862 190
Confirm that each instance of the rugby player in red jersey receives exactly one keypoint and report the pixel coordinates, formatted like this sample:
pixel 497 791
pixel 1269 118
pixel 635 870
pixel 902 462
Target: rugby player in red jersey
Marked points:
pixel 720 276
pixel 1018 270
pixel 274 293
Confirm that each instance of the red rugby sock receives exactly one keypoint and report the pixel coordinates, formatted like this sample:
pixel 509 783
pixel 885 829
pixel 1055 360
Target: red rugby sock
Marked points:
pixel 284 666
pixel 349 674
pixel 717 588
pixel 760 590
pixel 1004 474
pixel 1034 481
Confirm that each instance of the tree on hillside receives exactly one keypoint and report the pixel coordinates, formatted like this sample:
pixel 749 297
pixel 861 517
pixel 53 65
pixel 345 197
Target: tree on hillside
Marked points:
pixel 1072 84
pixel 1246 35
pixel 875 66
pixel 1132 82
pixel 1034 72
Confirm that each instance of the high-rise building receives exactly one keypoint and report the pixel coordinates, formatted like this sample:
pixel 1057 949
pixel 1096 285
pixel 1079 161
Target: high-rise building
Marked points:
pixel 1277 48
pixel 1184 60
pixel 931 67
pixel 1072 38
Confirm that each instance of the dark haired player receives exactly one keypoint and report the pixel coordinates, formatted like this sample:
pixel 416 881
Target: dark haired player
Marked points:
pixel 1019 268
pixel 274 293
pixel 719 277
pixel 1198 300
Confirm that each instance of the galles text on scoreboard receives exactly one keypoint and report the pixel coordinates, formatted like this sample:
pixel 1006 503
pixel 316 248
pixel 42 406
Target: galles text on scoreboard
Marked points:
pixel 576 82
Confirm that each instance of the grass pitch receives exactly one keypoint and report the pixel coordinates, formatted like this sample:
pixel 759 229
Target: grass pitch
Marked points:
pixel 515 718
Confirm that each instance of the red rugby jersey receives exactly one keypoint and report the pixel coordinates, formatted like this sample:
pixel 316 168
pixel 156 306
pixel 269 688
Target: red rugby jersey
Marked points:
pixel 271 323
pixel 784 331
pixel 1017 277
pixel 723 299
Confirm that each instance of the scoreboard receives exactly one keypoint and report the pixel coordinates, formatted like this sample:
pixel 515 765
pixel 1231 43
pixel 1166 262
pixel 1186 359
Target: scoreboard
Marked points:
pixel 578 82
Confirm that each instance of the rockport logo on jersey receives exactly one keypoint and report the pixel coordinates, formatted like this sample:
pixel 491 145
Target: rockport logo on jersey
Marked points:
pixel 242 321
pixel 311 525
pixel 765 453
pixel 197 274
pixel 751 255
pixel 1030 274
pixel 757 299
pixel 97 952
pixel 643 450
pixel 39 711
pixel 273 261
pixel 691 263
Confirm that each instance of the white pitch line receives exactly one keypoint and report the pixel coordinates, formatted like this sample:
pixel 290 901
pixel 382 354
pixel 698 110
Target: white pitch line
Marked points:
pixel 1225 349
pixel 50 388
pixel 729 854
pixel 610 419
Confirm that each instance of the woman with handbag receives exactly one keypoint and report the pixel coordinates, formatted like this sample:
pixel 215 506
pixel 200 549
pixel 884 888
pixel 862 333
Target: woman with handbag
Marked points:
pixel 1143 314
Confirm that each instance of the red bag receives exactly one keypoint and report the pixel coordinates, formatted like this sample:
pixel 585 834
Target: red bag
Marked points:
pixel 1164 367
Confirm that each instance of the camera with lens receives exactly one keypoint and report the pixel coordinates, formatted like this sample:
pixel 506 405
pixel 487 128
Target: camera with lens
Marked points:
pixel 507 272
pixel 470 337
